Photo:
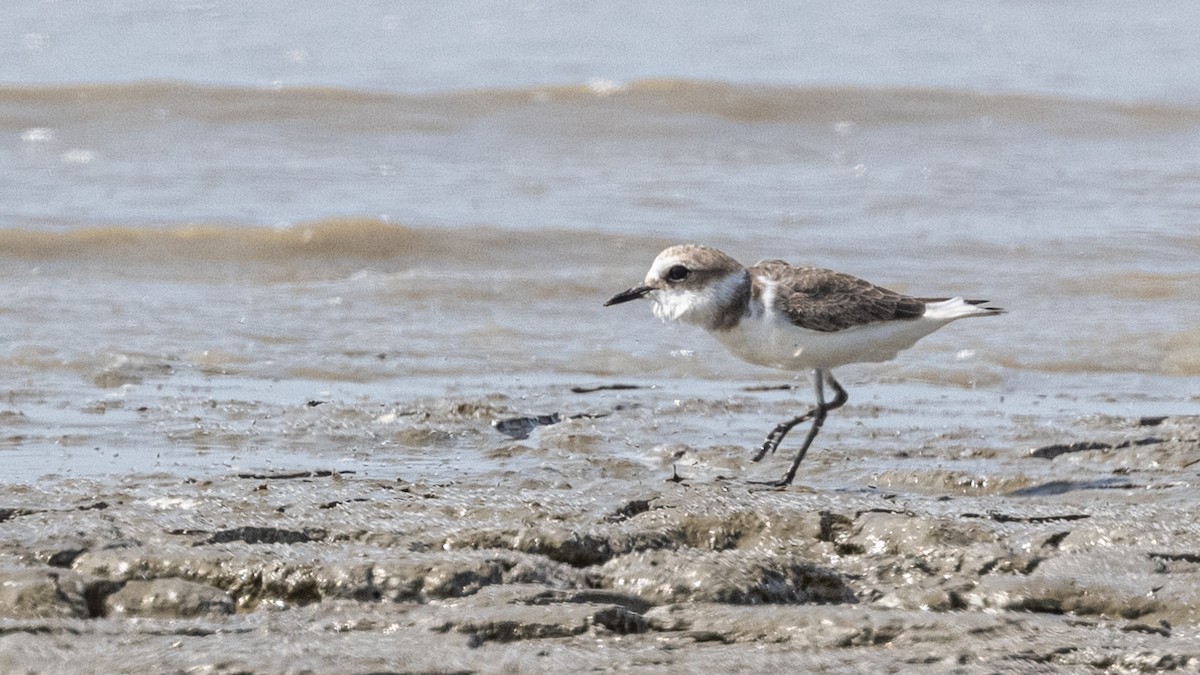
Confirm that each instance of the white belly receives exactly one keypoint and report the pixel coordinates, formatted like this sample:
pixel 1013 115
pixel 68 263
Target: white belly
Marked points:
pixel 778 344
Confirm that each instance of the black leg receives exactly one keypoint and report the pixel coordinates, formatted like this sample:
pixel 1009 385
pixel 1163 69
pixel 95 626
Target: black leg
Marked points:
pixel 817 414
pixel 777 434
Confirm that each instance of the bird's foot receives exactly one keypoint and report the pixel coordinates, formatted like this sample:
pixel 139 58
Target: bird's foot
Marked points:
pixel 781 484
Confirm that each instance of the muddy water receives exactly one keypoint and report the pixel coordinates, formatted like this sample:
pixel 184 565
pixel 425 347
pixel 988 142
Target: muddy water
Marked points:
pixel 215 348
pixel 188 266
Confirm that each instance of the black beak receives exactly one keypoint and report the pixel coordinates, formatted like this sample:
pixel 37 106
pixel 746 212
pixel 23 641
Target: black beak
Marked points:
pixel 631 294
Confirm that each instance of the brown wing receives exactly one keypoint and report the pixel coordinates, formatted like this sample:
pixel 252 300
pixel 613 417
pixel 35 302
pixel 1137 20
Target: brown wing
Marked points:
pixel 830 301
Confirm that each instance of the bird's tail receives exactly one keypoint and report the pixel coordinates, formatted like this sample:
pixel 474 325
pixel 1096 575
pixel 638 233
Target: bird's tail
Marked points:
pixel 957 308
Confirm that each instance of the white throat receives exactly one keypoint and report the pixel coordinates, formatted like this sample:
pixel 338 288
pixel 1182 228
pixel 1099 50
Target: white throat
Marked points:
pixel 699 306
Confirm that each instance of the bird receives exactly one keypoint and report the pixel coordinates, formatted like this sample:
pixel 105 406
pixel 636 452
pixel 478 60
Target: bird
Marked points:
pixel 792 318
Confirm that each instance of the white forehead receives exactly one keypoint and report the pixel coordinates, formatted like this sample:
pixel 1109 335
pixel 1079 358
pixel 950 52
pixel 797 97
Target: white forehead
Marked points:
pixel 666 260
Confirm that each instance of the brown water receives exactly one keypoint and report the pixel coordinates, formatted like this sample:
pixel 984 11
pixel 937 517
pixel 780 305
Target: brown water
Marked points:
pixel 361 344
pixel 294 259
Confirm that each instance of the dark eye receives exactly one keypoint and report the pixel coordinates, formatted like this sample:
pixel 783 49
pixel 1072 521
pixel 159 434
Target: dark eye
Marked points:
pixel 677 273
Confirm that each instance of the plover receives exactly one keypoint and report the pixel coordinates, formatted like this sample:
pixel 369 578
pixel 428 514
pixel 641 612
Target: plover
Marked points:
pixel 792 318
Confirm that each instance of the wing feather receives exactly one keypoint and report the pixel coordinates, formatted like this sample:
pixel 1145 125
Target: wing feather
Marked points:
pixel 828 301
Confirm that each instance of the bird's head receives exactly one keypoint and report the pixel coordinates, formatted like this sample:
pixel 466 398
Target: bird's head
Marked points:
pixel 689 283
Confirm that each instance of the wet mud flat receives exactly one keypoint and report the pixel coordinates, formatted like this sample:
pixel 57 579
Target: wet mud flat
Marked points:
pixel 1083 555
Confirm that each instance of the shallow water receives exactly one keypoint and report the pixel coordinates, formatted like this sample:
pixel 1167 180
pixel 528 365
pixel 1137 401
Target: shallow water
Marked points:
pixel 395 213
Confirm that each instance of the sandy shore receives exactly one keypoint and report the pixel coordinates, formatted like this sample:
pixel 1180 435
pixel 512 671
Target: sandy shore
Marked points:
pixel 1083 555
